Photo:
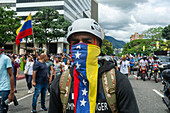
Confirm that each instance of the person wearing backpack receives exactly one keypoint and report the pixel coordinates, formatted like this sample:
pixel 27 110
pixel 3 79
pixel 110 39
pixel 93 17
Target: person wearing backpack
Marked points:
pixel 155 62
pixel 90 86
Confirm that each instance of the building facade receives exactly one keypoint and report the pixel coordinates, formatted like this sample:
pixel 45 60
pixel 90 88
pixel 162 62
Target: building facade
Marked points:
pixel 10 3
pixel 136 36
pixel 118 50
pixel 70 9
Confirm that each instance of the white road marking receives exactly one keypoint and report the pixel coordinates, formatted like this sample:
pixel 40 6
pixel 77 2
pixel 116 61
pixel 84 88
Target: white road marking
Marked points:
pixel 158 93
pixel 21 98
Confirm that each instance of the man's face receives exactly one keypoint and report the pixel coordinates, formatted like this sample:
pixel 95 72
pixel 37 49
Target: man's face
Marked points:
pixel 45 58
pixel 124 58
pixel 29 58
pixel 82 38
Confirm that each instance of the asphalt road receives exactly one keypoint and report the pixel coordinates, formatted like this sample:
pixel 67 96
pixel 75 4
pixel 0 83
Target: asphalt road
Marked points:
pixel 147 94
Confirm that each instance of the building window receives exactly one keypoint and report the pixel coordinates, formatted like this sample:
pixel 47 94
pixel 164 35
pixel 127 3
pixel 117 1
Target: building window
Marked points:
pixel 38 8
pixel 25 1
pixel 7 4
pixel 53 48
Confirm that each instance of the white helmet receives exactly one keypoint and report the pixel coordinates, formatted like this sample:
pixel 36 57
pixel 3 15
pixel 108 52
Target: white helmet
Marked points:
pixel 85 25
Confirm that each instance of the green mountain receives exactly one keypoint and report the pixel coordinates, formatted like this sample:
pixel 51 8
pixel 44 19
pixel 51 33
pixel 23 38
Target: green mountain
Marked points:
pixel 115 43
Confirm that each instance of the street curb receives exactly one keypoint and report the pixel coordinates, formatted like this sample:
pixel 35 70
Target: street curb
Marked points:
pixel 20 77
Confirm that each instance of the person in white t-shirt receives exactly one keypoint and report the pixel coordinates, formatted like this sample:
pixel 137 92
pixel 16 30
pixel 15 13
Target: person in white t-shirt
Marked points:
pixel 143 62
pixel 67 66
pixel 28 76
pixel 63 64
pixel 124 67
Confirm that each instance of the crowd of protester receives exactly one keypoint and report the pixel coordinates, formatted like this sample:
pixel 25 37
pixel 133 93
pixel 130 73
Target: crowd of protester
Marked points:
pixel 41 69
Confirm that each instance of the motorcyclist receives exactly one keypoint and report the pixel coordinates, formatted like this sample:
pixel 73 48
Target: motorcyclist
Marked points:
pixel 143 62
pixel 155 61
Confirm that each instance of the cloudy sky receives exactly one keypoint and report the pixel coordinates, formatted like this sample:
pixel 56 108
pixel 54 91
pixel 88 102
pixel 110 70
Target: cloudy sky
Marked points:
pixel 122 18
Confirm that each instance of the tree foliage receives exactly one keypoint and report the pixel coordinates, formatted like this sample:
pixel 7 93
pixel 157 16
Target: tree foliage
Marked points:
pixel 153 33
pixel 106 47
pixel 49 25
pixel 9 23
pixel 166 33
pixel 136 46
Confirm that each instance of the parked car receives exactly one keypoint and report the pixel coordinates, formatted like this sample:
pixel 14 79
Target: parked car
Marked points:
pixel 164 60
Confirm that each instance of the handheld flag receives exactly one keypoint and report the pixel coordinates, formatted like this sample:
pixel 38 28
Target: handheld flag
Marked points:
pixel 2 49
pixel 24 30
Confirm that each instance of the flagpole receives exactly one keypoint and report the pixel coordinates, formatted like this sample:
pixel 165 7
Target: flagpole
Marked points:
pixel 26 47
pixel 33 32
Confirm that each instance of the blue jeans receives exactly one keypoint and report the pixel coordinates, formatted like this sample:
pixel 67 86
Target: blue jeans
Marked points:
pixel 40 88
pixel 4 107
pixel 29 81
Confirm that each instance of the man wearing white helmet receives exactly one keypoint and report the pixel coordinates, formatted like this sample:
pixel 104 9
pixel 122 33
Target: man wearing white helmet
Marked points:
pixel 90 86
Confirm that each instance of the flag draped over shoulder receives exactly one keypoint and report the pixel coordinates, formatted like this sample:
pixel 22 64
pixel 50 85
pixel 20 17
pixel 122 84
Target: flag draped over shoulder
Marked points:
pixel 24 30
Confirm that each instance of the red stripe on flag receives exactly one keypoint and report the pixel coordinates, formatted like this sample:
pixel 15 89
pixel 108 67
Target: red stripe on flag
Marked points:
pixel 17 41
pixel 76 84
pixel 76 88
pixel 23 34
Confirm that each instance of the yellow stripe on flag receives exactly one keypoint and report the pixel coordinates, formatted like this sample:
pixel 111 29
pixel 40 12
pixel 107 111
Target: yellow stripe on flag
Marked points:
pixel 92 74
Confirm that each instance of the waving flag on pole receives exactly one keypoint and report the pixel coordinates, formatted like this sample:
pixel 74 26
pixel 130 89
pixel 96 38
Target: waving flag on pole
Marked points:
pixel 24 30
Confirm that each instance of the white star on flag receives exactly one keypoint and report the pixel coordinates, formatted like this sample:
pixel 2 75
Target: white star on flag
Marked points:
pixel 78 65
pixel 78 55
pixel 84 82
pixel 78 47
pixel 84 92
pixel 83 102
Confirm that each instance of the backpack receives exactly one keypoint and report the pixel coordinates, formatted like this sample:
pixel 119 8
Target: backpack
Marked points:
pixel 109 87
pixel 155 65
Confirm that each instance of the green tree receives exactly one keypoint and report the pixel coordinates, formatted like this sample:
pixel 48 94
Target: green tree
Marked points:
pixel 49 25
pixel 136 46
pixel 166 33
pixel 153 33
pixel 9 23
pixel 106 47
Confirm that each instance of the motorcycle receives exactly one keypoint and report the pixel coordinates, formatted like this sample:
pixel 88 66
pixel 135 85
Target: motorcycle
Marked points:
pixel 166 89
pixel 156 72
pixel 143 72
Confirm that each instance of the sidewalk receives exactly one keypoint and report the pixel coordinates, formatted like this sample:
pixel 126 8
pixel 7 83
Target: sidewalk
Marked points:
pixel 20 75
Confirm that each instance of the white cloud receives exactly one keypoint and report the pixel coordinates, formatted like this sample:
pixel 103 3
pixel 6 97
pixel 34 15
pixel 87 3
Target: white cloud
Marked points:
pixel 121 22
pixel 112 17
pixel 123 4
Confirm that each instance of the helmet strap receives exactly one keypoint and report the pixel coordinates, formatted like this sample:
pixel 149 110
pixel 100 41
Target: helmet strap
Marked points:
pixel 95 41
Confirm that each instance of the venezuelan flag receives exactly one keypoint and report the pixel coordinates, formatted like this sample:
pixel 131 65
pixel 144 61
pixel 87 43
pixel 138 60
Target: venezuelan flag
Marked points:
pixel 2 49
pixel 24 30
pixel 85 59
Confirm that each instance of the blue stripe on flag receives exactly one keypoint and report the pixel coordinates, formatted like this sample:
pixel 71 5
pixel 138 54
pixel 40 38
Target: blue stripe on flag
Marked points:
pixel 83 100
pixel 26 25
